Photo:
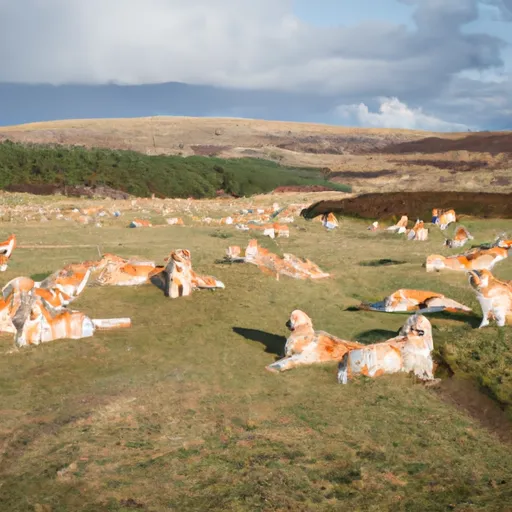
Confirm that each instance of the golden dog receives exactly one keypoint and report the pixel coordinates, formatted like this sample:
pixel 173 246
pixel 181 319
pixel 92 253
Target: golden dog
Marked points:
pixel 443 218
pixel 476 259
pixel 116 271
pixel 414 300
pixel 181 280
pixel 460 238
pixel 401 226
pixel 6 249
pixel 329 221
pixel 418 232
pixel 37 315
pixel 307 346
pixel 410 351
pixel 494 296
pixel 268 262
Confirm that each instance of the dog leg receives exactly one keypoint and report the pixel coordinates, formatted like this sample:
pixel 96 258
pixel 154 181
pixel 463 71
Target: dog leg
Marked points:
pixel 486 311
pixel 500 317
pixel 287 363
pixel 343 370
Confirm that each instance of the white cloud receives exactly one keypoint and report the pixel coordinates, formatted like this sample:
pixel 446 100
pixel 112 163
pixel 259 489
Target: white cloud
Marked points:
pixel 395 114
pixel 237 43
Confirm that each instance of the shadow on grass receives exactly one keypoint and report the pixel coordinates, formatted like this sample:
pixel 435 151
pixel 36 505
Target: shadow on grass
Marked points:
pixel 158 280
pixel 274 344
pixel 375 336
pixel 472 319
pixel 380 263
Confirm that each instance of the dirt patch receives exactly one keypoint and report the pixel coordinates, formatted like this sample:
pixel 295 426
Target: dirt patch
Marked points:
pixel 363 174
pixel 455 166
pixel 48 189
pixel 415 205
pixel 477 143
pixel 208 149
pixel 501 181
pixel 302 188
pixel 465 395
pixel 338 145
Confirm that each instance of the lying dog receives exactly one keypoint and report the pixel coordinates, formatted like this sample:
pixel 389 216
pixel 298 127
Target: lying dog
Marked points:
pixel 38 315
pixel 460 238
pixel 401 226
pixel 307 346
pixel 443 218
pixel 116 271
pixel 409 352
pixel 415 300
pixel 494 296
pixel 476 259
pixel 270 263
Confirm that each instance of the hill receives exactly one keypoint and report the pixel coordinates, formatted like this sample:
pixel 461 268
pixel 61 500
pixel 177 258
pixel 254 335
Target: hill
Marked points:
pixel 48 169
pixel 370 160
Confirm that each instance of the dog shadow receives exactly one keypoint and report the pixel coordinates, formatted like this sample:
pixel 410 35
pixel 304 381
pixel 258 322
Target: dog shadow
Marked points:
pixel 159 280
pixel 375 336
pixel 471 319
pixel 384 262
pixel 274 344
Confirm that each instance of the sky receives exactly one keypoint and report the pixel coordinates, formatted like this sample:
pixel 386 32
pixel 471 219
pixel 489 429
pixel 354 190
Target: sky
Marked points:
pixel 441 65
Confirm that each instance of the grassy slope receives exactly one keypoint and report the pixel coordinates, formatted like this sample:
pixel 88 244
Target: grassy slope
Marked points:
pixel 258 138
pixel 178 412
pixel 142 175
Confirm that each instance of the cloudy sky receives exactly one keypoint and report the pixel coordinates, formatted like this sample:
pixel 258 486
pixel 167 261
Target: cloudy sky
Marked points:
pixel 429 64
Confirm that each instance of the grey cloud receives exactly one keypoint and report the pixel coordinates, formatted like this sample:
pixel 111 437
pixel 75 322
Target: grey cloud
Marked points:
pixel 235 43
pixel 249 46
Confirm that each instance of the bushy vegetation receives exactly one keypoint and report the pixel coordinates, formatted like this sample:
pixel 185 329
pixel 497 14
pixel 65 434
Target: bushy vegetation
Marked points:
pixel 143 175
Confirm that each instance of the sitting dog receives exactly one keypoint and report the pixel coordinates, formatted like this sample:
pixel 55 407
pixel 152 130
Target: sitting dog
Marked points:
pixel 410 351
pixel 181 280
pixel 418 232
pixel 307 346
pixel 329 221
pixel 443 218
pixel 494 296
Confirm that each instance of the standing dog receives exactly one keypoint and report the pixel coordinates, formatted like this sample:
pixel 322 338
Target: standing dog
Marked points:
pixel 307 346
pixel 410 351
pixel 494 296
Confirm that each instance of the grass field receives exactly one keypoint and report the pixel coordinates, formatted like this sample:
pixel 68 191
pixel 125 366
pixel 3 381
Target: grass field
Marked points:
pixel 178 412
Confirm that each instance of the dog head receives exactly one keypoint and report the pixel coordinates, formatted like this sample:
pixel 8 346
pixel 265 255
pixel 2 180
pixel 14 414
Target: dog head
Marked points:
pixel 479 279
pixel 417 325
pixel 434 262
pixel 298 319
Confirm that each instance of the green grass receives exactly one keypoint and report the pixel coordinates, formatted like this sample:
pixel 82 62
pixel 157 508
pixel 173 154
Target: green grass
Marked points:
pixel 178 412
pixel 45 168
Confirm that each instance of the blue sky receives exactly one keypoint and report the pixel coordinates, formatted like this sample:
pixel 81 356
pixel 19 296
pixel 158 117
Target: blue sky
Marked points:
pixel 442 65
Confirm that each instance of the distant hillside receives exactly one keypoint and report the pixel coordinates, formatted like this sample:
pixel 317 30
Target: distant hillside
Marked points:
pixel 49 169
pixel 369 160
